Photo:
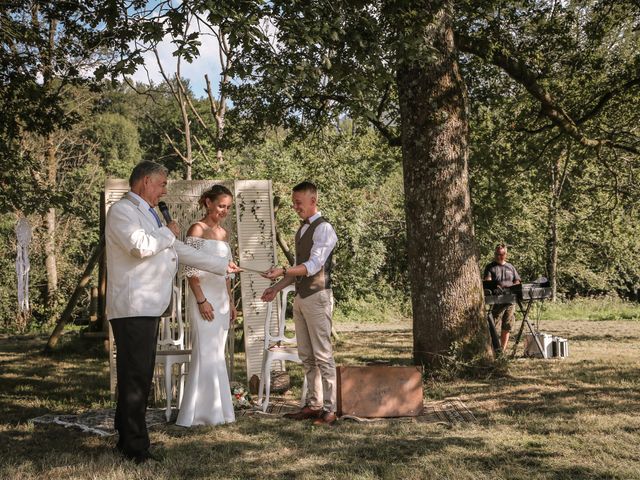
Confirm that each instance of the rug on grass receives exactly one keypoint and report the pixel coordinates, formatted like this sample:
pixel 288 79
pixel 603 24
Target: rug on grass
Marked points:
pixel 100 422
pixel 449 411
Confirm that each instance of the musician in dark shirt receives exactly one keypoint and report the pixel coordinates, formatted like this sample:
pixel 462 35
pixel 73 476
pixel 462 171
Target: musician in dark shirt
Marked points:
pixel 506 275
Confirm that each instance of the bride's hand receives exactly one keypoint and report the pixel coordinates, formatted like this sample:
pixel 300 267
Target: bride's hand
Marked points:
pixel 233 268
pixel 206 310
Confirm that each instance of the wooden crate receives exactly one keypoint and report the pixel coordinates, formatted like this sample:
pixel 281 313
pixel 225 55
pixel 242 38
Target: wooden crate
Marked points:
pixel 379 391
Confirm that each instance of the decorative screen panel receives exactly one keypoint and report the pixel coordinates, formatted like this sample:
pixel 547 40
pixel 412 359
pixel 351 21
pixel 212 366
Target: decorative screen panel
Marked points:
pixel 257 251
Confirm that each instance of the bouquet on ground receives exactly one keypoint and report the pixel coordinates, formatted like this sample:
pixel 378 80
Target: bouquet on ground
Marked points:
pixel 240 396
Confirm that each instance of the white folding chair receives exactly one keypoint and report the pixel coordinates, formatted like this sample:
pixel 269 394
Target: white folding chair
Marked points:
pixel 277 348
pixel 171 349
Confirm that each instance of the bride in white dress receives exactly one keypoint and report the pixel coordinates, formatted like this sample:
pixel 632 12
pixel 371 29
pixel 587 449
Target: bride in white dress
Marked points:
pixel 207 396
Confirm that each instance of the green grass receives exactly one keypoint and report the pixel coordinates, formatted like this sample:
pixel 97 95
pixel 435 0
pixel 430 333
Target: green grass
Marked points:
pixel 577 418
pixel 374 310
pixel 606 308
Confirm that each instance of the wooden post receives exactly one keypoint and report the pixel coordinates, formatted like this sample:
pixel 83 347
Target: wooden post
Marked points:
pixel 66 314
pixel 93 305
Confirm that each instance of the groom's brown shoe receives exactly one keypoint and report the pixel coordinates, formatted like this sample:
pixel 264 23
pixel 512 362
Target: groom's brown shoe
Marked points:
pixel 327 419
pixel 304 414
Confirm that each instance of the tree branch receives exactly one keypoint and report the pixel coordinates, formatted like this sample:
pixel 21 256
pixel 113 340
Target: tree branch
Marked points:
pixel 394 140
pixel 605 98
pixel 195 112
pixel 166 135
pixel 212 102
pixel 164 75
pixel 202 150
pixel 522 74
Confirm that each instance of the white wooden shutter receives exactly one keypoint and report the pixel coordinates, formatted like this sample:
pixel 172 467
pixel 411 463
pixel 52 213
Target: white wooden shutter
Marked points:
pixel 256 250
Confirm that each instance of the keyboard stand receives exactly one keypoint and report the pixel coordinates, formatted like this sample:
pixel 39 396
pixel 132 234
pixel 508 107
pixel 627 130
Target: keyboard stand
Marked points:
pixel 490 300
pixel 495 341
pixel 524 308
pixel 525 321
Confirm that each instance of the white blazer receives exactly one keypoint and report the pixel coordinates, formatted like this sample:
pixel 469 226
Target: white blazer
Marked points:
pixel 142 261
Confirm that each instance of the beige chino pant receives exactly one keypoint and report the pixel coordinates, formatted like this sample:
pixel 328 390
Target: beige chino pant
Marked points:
pixel 312 318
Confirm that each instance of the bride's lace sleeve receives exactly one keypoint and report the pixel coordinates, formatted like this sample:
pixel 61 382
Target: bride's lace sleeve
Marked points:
pixel 197 243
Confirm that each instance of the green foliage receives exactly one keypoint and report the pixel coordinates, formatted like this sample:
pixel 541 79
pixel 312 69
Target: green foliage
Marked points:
pixel 522 167
pixel 385 306
pixel 8 280
pixel 118 144
pixel 360 193
pixel 47 48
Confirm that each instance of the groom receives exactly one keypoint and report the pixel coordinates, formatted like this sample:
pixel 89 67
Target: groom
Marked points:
pixel 313 304
pixel 142 260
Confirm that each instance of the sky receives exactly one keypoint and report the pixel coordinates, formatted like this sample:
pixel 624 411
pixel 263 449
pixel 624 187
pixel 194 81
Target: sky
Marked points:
pixel 207 63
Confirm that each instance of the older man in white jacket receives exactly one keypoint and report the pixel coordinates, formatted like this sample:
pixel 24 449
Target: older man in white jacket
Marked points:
pixel 142 260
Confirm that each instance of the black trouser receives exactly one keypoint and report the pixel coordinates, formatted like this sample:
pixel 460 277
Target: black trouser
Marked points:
pixel 135 339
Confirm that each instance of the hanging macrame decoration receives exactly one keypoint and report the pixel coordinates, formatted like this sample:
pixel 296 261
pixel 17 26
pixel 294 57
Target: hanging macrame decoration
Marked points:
pixel 23 235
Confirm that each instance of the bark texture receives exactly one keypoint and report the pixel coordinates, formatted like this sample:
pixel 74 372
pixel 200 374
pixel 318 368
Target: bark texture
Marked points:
pixel 445 279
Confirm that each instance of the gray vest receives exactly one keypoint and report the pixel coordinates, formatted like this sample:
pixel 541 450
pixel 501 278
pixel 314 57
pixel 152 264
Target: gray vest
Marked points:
pixel 306 286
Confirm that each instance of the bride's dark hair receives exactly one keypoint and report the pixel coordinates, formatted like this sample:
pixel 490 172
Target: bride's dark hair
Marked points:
pixel 213 193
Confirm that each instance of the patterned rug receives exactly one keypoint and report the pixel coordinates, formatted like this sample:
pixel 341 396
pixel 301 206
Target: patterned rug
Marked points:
pixel 100 422
pixel 448 411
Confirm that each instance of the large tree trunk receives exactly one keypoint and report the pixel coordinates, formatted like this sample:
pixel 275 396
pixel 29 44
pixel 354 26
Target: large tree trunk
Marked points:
pixel 445 279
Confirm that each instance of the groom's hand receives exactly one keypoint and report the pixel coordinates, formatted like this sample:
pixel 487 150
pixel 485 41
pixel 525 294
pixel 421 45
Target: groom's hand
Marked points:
pixel 269 294
pixel 272 273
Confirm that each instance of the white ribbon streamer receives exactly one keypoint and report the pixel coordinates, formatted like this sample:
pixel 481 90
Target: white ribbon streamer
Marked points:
pixel 23 235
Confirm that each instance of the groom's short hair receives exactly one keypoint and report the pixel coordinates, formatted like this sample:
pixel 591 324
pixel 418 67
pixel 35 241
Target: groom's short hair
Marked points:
pixel 307 187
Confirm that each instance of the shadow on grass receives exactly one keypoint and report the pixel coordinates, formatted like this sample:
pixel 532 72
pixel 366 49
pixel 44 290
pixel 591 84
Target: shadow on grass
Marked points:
pixel 287 449
pixel 72 379
pixel 362 348
pixel 560 393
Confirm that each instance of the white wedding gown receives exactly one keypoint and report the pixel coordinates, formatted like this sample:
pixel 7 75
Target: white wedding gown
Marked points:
pixel 207 395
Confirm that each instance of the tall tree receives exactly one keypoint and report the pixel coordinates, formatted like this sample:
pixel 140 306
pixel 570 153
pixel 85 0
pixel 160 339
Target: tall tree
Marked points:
pixel 443 268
